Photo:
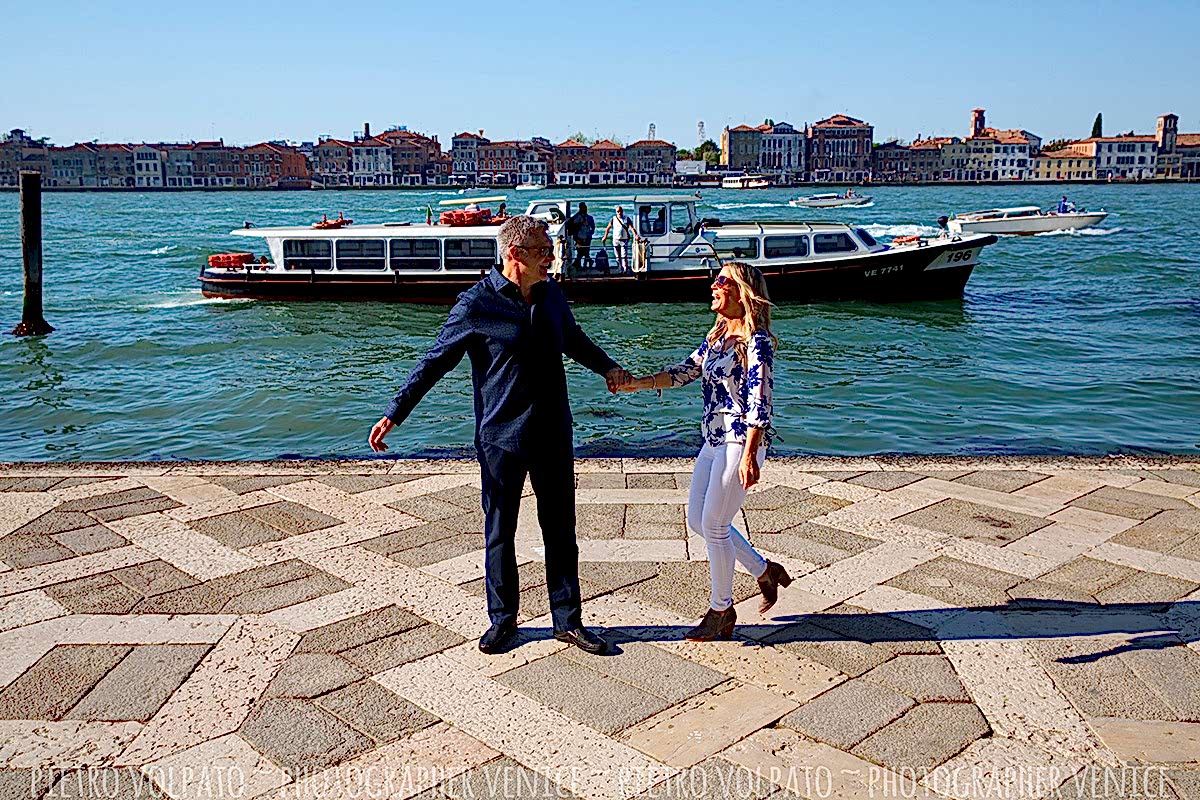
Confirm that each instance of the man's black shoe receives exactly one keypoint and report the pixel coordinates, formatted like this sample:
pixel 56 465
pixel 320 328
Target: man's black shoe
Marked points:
pixel 497 637
pixel 582 638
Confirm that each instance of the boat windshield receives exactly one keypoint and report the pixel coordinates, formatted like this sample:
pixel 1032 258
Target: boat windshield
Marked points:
pixel 865 237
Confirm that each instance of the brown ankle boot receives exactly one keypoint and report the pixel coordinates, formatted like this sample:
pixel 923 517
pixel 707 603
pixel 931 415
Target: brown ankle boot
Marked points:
pixel 715 625
pixel 769 584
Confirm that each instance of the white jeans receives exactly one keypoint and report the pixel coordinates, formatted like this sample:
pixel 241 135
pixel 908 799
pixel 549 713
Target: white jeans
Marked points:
pixel 715 496
pixel 621 251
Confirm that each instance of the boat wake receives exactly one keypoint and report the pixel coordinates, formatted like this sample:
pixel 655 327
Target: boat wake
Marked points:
pixel 884 231
pixel 158 251
pixel 194 298
pixel 1080 232
pixel 729 206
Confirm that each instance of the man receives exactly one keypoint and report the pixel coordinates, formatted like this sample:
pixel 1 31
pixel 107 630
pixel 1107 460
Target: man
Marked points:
pixel 515 326
pixel 622 230
pixel 1063 205
pixel 581 227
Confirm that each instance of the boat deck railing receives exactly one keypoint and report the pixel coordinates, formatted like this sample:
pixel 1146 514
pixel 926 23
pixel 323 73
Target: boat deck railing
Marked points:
pixel 694 254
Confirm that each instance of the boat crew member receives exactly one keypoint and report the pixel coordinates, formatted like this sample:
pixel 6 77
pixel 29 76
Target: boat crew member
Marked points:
pixel 580 228
pixel 515 326
pixel 1064 207
pixel 622 230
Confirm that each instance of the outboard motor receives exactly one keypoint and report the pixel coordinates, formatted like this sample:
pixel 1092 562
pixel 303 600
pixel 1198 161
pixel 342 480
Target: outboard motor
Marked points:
pixel 944 223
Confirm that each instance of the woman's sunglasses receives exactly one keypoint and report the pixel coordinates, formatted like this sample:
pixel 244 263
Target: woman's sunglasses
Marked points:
pixel 721 281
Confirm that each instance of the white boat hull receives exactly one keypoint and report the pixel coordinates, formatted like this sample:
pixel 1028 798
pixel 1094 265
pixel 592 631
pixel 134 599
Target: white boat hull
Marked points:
pixel 841 201
pixel 1029 225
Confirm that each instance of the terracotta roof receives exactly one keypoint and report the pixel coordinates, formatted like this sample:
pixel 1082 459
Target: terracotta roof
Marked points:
pixel 742 128
pixel 606 144
pixel 571 143
pixel 335 142
pixel 651 143
pixel 466 135
pixel 841 121
pixel 936 142
pixel 1188 139
pixel 372 142
pixel 1116 139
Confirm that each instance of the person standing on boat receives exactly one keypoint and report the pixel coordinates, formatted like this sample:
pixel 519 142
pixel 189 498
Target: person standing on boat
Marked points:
pixel 735 363
pixel 515 326
pixel 622 230
pixel 581 228
pixel 1063 205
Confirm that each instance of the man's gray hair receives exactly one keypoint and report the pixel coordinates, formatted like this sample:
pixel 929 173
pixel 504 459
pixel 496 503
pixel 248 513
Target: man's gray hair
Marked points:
pixel 517 230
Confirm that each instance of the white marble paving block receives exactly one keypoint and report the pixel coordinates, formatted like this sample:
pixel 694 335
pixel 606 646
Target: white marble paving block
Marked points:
pixel 786 475
pixel 1003 769
pixel 1096 521
pixel 780 672
pixel 189 489
pixel 1148 561
pixel 418 488
pixel 325 610
pixel 538 737
pixel 1062 489
pixel 632 496
pixel 345 506
pixel 62 745
pixel 303 545
pixel 142 628
pixel 1163 489
pixel 1059 542
pixel 853 575
pixel 28 608
pixel 1001 558
pixel 20 648
pixel 632 550
pixel 426 596
pixel 23 580
pixel 908 606
pixel 226 767
pixel 19 508
pixel 1152 741
pixel 464 568
pixel 793 603
pixel 396 771
pixel 845 491
pixel 217 696
pixel 225 505
pixel 86 490
pixel 200 556
pixel 433 466
pixel 1015 693
pixel 527 650
pixel 1022 504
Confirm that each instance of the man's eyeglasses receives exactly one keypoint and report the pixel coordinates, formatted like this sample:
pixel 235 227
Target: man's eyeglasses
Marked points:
pixel 540 251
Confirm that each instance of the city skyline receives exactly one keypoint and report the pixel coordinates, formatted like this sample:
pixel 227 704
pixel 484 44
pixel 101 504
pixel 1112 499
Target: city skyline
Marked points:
pixel 178 76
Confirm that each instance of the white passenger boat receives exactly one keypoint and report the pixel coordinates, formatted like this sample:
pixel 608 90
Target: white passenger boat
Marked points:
pixel 675 259
pixel 830 200
pixel 1023 220
pixel 746 182
pixel 530 187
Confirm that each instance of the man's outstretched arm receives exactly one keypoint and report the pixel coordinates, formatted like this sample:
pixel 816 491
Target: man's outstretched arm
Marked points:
pixel 579 347
pixel 447 351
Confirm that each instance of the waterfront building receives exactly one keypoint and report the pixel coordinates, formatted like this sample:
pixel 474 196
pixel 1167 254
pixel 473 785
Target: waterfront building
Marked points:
pixel 840 149
pixel 332 162
pixel 572 162
pixel 891 162
pixel 416 158
pixel 73 166
pixel 18 151
pixel 926 157
pixel 535 161
pixel 273 165
pixel 1119 157
pixel 653 160
pixel 741 147
pixel 464 154
pixel 607 163
pixel 148 166
pixel 498 162
pixel 178 166
pixel 213 165
pixel 782 151
pixel 1188 145
pixel 1061 165
pixel 1168 160
pixel 371 162
pixel 114 166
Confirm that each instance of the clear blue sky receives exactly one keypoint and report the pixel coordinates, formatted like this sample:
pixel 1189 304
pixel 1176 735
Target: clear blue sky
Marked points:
pixel 249 71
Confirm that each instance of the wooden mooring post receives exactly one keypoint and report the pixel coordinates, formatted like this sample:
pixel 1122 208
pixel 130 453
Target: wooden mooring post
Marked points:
pixel 32 322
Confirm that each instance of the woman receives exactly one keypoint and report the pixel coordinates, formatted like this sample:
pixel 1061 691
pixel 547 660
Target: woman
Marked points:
pixel 735 362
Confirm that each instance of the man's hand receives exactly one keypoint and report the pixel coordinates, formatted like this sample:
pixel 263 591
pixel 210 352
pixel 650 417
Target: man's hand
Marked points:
pixel 378 432
pixel 617 379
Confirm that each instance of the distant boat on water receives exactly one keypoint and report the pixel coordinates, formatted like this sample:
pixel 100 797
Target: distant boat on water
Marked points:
pixel 1024 220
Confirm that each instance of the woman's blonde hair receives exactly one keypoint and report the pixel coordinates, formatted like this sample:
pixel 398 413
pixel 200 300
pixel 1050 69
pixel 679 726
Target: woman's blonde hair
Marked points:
pixel 756 304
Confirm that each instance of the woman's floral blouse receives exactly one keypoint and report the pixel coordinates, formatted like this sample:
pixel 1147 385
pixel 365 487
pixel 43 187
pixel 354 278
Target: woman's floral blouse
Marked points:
pixel 736 397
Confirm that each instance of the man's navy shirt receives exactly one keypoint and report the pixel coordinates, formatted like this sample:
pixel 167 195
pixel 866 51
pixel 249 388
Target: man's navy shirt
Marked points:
pixel 516 351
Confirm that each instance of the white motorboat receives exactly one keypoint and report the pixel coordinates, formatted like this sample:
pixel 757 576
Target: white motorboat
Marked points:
pixel 530 187
pixel 1024 220
pixel 830 200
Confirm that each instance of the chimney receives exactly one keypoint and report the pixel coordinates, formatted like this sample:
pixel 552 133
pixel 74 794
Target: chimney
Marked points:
pixel 366 130
pixel 481 133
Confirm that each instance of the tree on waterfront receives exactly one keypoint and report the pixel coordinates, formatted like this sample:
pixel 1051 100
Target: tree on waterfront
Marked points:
pixel 1098 126
pixel 709 152
pixel 584 139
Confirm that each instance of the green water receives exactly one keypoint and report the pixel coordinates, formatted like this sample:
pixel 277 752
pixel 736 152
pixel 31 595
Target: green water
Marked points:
pixel 1076 343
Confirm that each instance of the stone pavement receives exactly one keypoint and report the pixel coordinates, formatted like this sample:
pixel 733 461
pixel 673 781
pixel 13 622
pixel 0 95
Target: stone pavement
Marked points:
pixel 957 628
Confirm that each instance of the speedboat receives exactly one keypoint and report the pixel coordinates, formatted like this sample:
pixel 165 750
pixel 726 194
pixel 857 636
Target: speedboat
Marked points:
pixel 1024 220
pixel 830 200
pixel 530 187
pixel 676 256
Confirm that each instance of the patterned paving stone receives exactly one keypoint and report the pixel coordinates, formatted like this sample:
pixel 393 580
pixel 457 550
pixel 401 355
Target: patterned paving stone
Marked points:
pixel 814 543
pixel 924 737
pixel 1183 477
pixel 153 577
pixel 439 550
pixel 655 522
pixel 225 767
pixel 600 520
pixel 573 689
pixel 1167 532
pixel 774 498
pixel 974 521
pixel 599 480
pixel 1098 683
pixel 1150 741
pixel 58 680
pixel 20 550
pixel 57 521
pixel 358 630
pixel 612 575
pixel 400 648
pixel 97 594
pixel 1088 575
pixel 1039 593
pixel 92 539
pixel 36 484
pixel 848 713
pixel 793 514
pixel 1147 587
pixel 650 669
pixel 890 633
pixel 137 687
pixel 827 647
pixel 427 508
pixel 307 675
pixel 502 777
pixel 363 483
pixel 922 677
pixel 106 782
pixel 113 513
pixel 26 784
pixel 685 587
pixel 650 480
pixel 885 480
pixel 957 582
pixel 375 711
pixel 1126 503
pixel 1001 480
pixel 244 484
pixel 237 529
pixel 301 737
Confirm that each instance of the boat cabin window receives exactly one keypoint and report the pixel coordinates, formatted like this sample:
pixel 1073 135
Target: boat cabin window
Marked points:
pixel 740 247
pixel 551 209
pixel 786 246
pixel 866 238
pixel 415 254
pixel 681 218
pixel 652 220
pixel 833 243
pixel 475 255
pixel 307 254
pixel 360 254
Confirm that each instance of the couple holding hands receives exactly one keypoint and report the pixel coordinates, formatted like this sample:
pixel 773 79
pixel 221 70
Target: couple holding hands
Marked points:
pixel 515 326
